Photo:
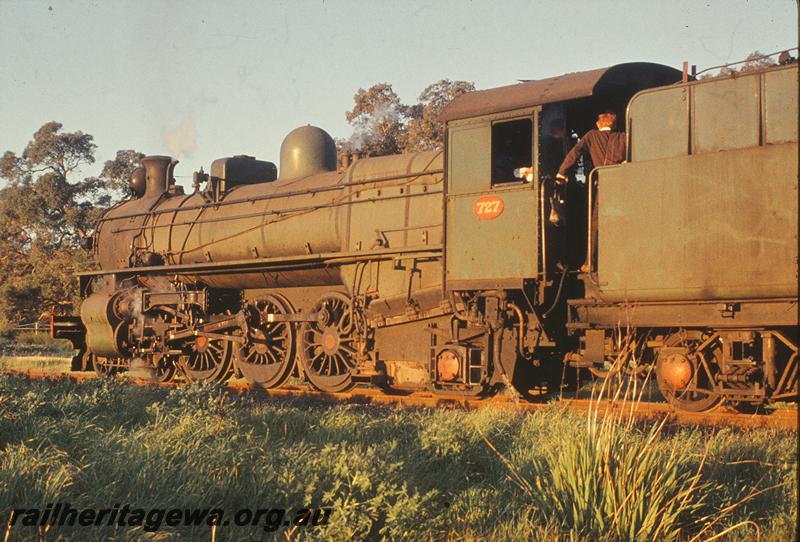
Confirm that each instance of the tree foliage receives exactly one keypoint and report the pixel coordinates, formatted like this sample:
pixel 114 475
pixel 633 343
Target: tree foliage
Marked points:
pixel 378 119
pixel 382 124
pixel 424 131
pixel 117 172
pixel 756 61
pixel 753 62
pixel 46 207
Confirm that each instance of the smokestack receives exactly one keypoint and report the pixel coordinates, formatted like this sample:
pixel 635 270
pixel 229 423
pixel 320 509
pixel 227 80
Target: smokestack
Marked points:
pixel 158 172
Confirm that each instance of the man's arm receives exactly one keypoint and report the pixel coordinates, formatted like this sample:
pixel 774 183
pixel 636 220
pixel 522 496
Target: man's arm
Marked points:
pixel 572 157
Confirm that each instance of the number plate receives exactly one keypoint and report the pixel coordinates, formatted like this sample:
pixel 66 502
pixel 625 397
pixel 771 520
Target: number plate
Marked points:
pixel 488 207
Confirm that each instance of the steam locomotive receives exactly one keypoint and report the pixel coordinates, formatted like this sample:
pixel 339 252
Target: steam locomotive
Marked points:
pixel 444 271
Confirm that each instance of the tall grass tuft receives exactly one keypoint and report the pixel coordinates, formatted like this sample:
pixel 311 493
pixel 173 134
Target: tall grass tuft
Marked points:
pixel 612 483
pixel 620 480
pixel 609 484
pixel 617 481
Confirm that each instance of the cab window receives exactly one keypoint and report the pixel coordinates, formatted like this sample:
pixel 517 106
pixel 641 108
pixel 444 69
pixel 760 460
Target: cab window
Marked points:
pixel 512 144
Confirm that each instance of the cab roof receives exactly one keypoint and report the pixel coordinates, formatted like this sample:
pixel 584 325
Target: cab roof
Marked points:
pixel 633 75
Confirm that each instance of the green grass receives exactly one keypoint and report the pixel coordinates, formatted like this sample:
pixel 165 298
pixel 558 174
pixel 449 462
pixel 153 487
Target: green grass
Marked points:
pixel 389 474
pixel 34 344
pixel 35 363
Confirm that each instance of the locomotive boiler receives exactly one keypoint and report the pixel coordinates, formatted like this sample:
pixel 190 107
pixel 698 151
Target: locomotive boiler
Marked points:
pixel 442 270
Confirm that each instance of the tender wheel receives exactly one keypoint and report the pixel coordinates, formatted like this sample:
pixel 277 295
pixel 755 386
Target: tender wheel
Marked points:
pixel 327 351
pixel 209 360
pixel 268 356
pixel 682 372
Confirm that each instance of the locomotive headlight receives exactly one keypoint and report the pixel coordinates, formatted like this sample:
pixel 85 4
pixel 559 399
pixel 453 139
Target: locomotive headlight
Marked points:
pixel 676 371
pixel 448 365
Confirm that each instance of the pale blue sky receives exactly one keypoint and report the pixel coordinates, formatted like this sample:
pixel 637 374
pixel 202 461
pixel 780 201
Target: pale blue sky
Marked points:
pixel 237 76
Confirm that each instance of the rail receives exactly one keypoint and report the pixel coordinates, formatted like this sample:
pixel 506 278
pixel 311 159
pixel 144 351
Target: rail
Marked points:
pixel 780 419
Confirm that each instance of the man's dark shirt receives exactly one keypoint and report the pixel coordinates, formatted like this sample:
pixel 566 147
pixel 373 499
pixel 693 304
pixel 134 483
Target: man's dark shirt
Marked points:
pixel 605 147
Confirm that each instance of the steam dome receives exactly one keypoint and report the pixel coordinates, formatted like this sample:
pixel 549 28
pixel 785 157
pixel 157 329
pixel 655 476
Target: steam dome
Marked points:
pixel 305 151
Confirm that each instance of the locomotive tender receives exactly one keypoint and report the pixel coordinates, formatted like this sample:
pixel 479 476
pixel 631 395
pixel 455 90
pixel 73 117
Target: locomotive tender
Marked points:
pixel 442 271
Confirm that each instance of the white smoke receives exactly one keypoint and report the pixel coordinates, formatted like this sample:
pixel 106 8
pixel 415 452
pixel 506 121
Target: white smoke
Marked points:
pixel 358 140
pixel 385 117
pixel 182 139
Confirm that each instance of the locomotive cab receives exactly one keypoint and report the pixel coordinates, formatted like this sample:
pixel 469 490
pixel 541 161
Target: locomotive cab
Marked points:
pixel 503 149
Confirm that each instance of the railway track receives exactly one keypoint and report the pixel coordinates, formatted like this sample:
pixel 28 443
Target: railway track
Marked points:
pixel 781 419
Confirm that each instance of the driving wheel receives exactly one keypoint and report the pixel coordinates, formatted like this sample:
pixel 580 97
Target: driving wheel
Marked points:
pixel 267 357
pixel 327 349
pixel 209 359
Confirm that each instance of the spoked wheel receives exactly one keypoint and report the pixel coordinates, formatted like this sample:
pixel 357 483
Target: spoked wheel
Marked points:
pixel 327 349
pixel 166 369
pixel 267 358
pixel 209 360
pixel 104 367
pixel 682 372
pixel 158 368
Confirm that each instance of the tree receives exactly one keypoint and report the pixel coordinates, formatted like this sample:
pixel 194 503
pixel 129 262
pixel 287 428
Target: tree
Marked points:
pixel 424 131
pixel 40 196
pixel 383 125
pixel 378 120
pixel 45 210
pixel 753 62
pixel 117 172
pixel 756 61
